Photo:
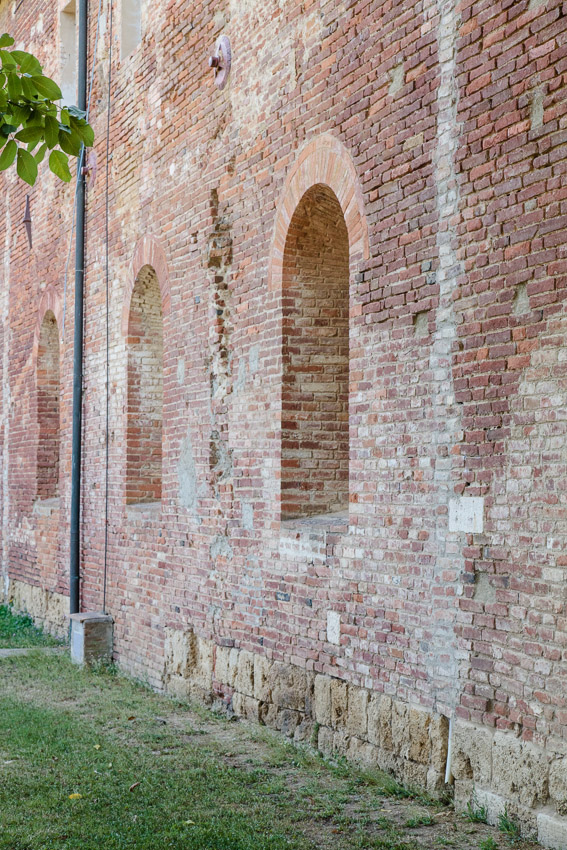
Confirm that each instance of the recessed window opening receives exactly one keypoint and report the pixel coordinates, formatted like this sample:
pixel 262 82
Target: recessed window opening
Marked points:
pixel 145 391
pixel 131 28
pixel 315 406
pixel 68 33
pixel 48 393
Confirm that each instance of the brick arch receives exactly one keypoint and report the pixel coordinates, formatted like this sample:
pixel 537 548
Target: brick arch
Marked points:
pixel 149 252
pixel 324 160
pixel 49 301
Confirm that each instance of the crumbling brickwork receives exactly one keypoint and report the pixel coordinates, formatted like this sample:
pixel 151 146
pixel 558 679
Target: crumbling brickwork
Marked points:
pixel 357 254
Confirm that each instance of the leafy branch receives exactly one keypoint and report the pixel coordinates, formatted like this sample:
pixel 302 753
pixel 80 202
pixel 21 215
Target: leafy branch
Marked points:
pixel 31 123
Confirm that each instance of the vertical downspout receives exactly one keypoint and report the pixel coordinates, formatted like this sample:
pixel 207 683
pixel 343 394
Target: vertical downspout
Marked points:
pixel 75 542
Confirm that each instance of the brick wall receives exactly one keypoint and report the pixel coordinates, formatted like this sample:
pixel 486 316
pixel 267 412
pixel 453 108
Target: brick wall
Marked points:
pixel 438 129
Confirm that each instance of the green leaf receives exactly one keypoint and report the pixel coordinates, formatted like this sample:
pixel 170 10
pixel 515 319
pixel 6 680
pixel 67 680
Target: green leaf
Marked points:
pixel 8 155
pixel 71 144
pixel 28 63
pixel 6 40
pixel 14 87
pixel 6 129
pixel 51 131
pixel 84 131
pixel 30 134
pixel 64 117
pixel 46 87
pixel 59 165
pixel 40 154
pixel 29 90
pixel 7 62
pixel 26 166
pixel 76 112
pixel 20 114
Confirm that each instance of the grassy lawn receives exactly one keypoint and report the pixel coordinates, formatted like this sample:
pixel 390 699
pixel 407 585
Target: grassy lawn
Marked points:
pixel 90 760
pixel 18 631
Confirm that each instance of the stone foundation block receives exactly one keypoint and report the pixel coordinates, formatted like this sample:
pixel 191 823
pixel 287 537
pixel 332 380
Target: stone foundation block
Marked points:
pixel 472 753
pixel 245 673
pixel 288 686
pixel 520 770
pixel 322 700
pixel 339 703
pixel 419 738
pixel 357 713
pixel 262 667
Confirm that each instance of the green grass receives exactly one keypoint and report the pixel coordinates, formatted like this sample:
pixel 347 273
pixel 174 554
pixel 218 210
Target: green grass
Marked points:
pixel 18 630
pixel 91 760
pixel 508 826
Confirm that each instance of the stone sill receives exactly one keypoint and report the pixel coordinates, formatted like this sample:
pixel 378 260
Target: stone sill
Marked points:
pixel 143 511
pixel 46 507
pixel 336 522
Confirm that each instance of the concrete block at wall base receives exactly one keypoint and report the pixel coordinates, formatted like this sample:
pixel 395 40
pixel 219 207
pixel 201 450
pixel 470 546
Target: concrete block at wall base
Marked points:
pixel 91 637
pixel 552 831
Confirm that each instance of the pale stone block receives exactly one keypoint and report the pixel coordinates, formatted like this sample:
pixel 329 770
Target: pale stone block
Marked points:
pixel 246 707
pixel 357 711
pixel 288 685
pixel 466 514
pixel 226 665
pixel 558 785
pixel 439 734
pixel 339 703
pixel 288 721
pixel 414 775
pixel 385 720
pixel 400 729
pixel 325 741
pixel 334 627
pixel 362 753
pixel 435 782
pixel 495 804
pixel 322 700
pixel 420 741
pixel 341 741
pixel 552 831
pixel 304 731
pixel 204 660
pixel 463 793
pixel 268 715
pixel 262 667
pixel 520 770
pixel 373 712
pixel 472 753
pixel 245 673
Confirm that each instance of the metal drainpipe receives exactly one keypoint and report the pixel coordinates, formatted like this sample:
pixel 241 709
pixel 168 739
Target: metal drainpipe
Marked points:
pixel 75 542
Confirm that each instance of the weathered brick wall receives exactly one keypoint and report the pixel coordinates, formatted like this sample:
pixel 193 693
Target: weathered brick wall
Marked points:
pixel 439 128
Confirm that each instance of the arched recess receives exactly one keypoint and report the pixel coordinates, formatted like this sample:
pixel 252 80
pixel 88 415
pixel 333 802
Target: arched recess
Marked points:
pixel 320 240
pixel 48 382
pixel 146 303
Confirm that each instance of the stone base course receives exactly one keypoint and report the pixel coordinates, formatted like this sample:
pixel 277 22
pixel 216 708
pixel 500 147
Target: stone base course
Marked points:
pixel 47 608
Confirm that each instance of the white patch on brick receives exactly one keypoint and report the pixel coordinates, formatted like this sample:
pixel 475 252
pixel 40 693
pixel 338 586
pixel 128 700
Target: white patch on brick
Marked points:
pixel 334 627
pixel 466 513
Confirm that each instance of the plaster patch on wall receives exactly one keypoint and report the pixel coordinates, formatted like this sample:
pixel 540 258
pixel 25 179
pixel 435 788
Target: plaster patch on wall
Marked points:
pixel 466 514
pixel 397 79
pixel 187 474
pixel 536 109
pixel 247 516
